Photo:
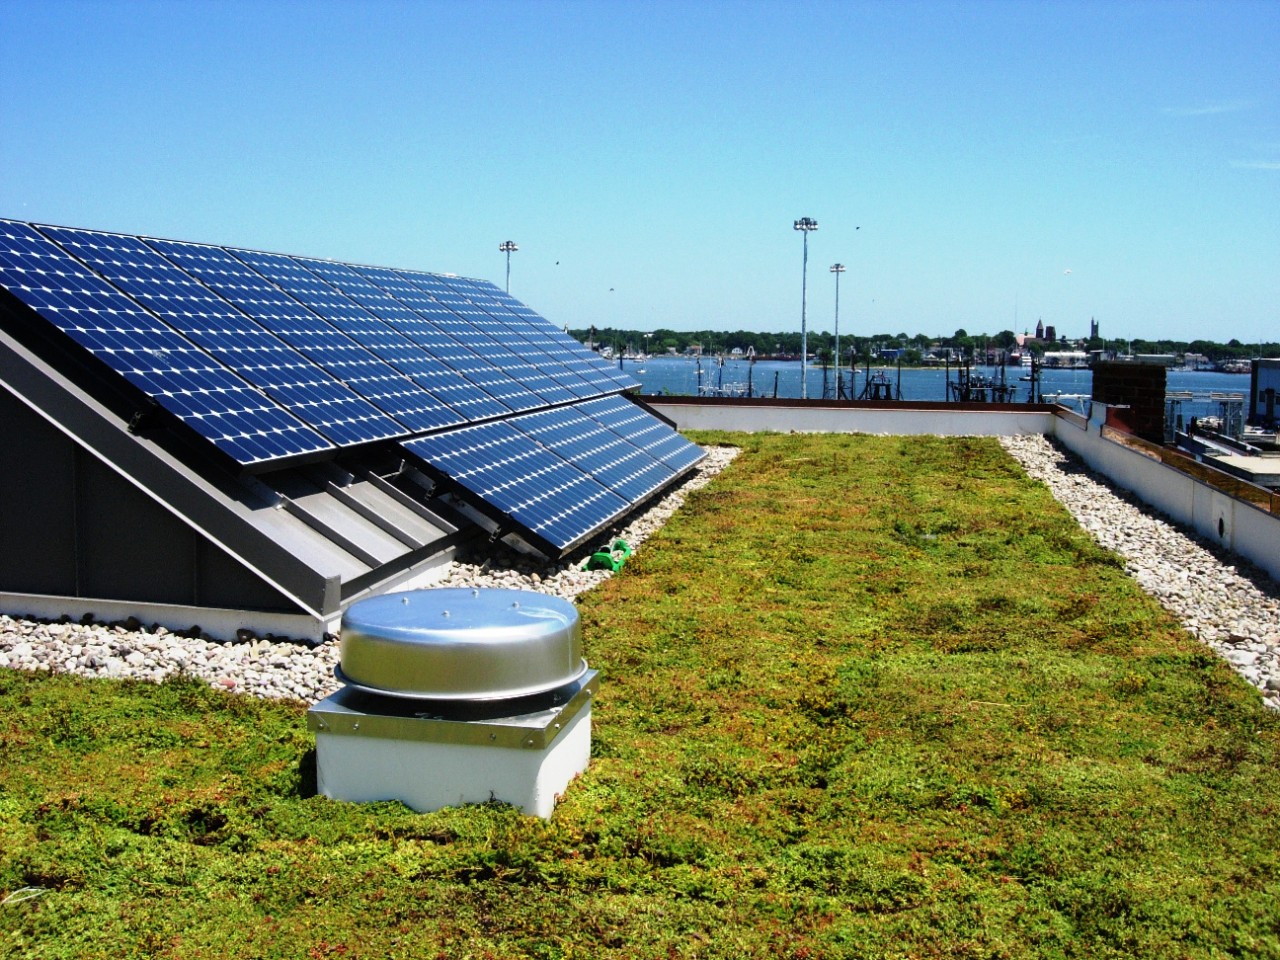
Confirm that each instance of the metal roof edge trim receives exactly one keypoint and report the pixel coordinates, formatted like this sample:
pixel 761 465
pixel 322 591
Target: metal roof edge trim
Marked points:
pixel 221 623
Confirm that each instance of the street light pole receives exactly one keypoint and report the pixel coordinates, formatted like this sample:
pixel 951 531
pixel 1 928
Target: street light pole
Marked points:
pixel 837 269
pixel 805 225
pixel 508 247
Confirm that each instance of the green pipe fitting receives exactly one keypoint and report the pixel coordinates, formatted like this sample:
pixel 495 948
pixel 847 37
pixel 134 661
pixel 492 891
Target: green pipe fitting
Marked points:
pixel 610 558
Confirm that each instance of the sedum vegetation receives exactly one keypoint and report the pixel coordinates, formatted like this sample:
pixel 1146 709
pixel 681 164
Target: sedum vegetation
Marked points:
pixel 862 697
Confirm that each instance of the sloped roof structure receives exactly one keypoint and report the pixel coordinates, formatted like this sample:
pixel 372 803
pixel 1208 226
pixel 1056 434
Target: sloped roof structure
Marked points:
pixel 210 427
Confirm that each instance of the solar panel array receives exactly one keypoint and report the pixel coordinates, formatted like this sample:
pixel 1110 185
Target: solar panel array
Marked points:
pixel 184 379
pixel 562 472
pixel 272 358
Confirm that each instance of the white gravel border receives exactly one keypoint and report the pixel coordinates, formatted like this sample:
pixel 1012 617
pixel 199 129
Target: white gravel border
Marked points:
pixel 294 669
pixel 1236 616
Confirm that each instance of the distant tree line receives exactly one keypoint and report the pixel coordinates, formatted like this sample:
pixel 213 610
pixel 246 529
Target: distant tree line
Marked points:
pixel 822 344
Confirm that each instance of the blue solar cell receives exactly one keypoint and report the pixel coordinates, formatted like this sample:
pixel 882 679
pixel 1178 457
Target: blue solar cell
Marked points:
pixel 258 356
pixel 617 463
pixel 592 361
pixel 550 498
pixel 410 358
pixel 644 430
pixel 183 379
pixel 671 448
pixel 476 370
pixel 474 301
pixel 455 294
pixel 585 366
pixel 321 343
pixel 471 331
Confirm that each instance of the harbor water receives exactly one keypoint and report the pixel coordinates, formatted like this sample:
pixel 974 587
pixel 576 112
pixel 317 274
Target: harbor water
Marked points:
pixel 682 376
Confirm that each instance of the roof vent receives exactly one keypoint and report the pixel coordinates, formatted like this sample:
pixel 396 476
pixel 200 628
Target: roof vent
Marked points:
pixel 457 696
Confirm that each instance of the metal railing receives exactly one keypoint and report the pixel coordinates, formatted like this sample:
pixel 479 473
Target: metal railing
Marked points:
pixel 1233 486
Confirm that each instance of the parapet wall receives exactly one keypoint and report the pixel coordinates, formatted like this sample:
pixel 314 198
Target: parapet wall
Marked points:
pixel 1216 516
pixel 903 418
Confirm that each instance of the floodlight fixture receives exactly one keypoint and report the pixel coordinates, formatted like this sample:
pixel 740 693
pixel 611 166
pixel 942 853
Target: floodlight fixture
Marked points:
pixel 508 247
pixel 805 225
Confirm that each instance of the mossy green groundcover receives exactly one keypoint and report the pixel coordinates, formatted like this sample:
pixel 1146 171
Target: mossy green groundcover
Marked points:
pixel 862 697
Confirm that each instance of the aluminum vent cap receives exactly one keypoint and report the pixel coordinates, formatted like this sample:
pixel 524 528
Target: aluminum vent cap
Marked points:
pixel 461 644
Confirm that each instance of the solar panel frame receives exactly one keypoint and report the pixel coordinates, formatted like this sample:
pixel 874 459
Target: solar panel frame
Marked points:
pixel 200 315
pixel 183 379
pixel 246 347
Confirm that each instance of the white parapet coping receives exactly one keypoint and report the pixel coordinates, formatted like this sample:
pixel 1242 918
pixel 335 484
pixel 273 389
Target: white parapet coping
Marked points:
pixel 887 421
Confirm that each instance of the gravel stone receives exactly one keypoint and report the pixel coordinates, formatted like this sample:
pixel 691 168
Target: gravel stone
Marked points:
pixel 1218 597
pixel 296 669
pixel 1232 609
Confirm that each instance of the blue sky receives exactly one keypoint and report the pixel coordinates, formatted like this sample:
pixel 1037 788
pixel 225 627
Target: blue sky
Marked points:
pixel 976 165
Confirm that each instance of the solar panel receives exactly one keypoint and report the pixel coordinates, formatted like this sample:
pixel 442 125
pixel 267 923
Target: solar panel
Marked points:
pixel 272 357
pixel 496 321
pixel 374 334
pixel 430 296
pixel 371 377
pixel 617 463
pixel 540 326
pixel 258 356
pixel 550 498
pixel 475 369
pixel 183 379
pixel 461 330
pixel 644 430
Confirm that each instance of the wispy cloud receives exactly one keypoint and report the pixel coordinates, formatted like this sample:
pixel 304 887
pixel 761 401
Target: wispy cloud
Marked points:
pixel 1209 109
pixel 1256 164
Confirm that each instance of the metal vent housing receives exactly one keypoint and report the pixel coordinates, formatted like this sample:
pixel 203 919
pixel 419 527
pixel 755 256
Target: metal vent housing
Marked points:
pixel 456 644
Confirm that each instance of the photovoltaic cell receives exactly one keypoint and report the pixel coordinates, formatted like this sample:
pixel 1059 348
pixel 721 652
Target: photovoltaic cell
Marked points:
pixel 430 297
pixel 496 323
pixel 418 410
pixel 589 364
pixel 476 370
pixel 644 430
pixel 410 358
pixel 298 385
pixel 617 463
pixel 509 470
pixel 541 326
pixel 182 378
